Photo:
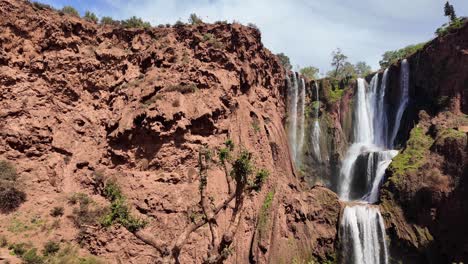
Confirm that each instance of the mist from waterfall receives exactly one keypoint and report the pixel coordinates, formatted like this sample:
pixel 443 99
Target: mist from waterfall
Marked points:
pixel 316 127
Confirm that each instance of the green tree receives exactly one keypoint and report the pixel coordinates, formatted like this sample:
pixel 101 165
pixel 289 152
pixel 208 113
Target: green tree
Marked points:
pixel 195 20
pixel 362 69
pixel 284 60
pixel 391 57
pixel 106 20
pixel 310 72
pixel 91 16
pixel 70 10
pixel 449 11
pixel 338 61
pixel 135 22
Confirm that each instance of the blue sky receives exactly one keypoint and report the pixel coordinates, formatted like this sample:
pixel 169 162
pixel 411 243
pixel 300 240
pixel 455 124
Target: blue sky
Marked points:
pixel 305 30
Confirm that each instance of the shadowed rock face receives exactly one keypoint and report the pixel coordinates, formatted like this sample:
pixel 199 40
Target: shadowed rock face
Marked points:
pixel 137 105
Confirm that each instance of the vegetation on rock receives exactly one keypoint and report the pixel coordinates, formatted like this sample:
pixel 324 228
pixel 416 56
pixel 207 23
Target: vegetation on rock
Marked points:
pixel 70 10
pixel 310 72
pixel 391 57
pixel 284 60
pixel 11 197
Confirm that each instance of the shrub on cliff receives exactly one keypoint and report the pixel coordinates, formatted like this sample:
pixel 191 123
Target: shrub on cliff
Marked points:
pixel 106 20
pixel 70 10
pixel 90 16
pixel 194 19
pixel 10 196
pixel 391 57
pixel 135 22
pixel 284 60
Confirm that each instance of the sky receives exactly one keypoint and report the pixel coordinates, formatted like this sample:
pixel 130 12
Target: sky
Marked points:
pixel 305 30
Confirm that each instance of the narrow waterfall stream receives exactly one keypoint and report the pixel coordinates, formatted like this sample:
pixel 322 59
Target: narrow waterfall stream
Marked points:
pixel 296 94
pixel 362 230
pixel 316 127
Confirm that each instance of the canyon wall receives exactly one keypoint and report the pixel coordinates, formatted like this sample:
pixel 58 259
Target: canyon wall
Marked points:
pixel 84 104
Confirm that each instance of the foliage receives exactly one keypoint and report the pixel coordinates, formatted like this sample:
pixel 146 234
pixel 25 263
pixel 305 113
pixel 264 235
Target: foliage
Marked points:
pixel 265 211
pixel 391 57
pixel 10 197
pixel 362 69
pixel 338 62
pixel 135 22
pixel 7 171
pixel 91 16
pixel 50 248
pixel 81 198
pixel 284 60
pixel 106 20
pixel 260 178
pixel 413 157
pixel 31 257
pixel 242 167
pixel 455 24
pixel 229 144
pixel 182 88
pixel 252 25
pixel 449 11
pixel 57 211
pixel 3 241
pixel 18 249
pixel 119 211
pixel 42 6
pixel 195 20
pixel 70 10
pixel 310 72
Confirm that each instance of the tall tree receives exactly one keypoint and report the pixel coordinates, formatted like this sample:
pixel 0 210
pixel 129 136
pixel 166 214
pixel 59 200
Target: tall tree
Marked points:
pixel 449 11
pixel 284 61
pixel 310 72
pixel 362 69
pixel 338 61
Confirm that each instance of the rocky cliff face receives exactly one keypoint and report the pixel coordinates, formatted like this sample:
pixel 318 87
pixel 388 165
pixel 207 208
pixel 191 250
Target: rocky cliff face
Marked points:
pixel 83 104
pixel 426 183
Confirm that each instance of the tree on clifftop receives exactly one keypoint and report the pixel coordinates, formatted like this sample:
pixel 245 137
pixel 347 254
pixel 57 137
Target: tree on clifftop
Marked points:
pixel 310 72
pixel 449 11
pixel 338 61
pixel 284 61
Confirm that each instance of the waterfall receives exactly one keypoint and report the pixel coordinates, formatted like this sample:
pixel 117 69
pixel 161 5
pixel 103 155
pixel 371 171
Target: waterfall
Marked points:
pixel 362 235
pixel 362 230
pixel 316 128
pixel 300 144
pixel 404 87
pixel 296 130
pixel 292 131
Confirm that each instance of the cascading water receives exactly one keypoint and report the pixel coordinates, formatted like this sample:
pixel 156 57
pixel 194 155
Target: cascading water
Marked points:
pixel 316 128
pixel 362 231
pixel 300 143
pixel 293 93
pixel 296 116
pixel 404 87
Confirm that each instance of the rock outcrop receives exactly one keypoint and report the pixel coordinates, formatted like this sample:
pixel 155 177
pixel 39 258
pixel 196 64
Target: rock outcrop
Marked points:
pixel 81 102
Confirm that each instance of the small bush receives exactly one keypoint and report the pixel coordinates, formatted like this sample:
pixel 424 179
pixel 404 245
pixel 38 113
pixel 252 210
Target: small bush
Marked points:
pixel 57 211
pixel 10 198
pixel 18 249
pixel 3 241
pixel 119 211
pixel 106 20
pixel 182 88
pixel 195 20
pixel 31 257
pixel 50 248
pixel 260 178
pixel 70 10
pixel 80 198
pixel 252 25
pixel 179 23
pixel 176 103
pixel 91 16
pixel 7 171
pixel 242 167
pixel 42 6
pixel 135 22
